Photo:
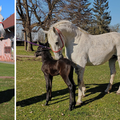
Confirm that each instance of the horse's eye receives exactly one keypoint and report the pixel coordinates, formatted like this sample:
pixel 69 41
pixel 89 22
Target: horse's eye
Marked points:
pixel 56 43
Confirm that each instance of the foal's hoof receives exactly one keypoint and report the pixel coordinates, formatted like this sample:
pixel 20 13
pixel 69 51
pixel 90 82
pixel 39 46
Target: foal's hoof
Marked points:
pixel 46 104
pixel 106 92
pixel 71 108
pixel 77 103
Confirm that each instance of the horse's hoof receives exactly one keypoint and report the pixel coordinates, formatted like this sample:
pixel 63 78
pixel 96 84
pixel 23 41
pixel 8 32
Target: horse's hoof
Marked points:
pixel 83 96
pixel 77 103
pixel 117 93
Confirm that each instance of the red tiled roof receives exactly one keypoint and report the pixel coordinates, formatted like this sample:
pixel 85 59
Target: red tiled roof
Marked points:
pixel 9 22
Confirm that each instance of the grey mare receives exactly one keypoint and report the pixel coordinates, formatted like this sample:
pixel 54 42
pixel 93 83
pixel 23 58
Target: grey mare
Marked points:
pixel 85 49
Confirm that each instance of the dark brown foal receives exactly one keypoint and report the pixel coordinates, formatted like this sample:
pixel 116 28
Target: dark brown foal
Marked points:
pixel 52 67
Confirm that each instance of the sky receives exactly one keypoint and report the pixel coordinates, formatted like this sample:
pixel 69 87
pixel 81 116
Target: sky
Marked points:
pixel 114 8
pixel 8 8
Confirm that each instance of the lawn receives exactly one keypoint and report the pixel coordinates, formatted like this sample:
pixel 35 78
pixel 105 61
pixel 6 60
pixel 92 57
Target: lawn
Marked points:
pixel 31 94
pixel 6 92
pixel 21 51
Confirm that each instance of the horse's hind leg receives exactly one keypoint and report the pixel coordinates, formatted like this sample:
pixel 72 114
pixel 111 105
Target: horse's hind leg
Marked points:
pixel 118 91
pixel 112 72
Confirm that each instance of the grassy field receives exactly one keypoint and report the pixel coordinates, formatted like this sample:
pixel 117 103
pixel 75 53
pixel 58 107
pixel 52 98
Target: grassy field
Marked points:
pixel 6 92
pixel 21 51
pixel 31 94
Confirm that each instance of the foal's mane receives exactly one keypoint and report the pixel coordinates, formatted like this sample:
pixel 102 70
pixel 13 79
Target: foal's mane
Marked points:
pixel 47 54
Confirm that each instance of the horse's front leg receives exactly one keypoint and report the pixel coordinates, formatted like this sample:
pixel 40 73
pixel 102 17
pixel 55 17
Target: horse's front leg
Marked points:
pixel 81 86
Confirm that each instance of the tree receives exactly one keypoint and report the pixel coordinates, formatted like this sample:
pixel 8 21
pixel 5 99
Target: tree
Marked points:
pixel 36 14
pixel 25 17
pixel 102 18
pixel 79 13
pixel 115 28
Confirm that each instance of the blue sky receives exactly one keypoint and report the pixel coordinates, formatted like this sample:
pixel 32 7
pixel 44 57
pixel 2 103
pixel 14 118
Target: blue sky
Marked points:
pixel 114 6
pixel 8 8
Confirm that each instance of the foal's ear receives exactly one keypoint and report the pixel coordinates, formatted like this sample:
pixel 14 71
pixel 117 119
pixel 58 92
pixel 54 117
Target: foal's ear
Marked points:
pixel 40 43
pixel 47 44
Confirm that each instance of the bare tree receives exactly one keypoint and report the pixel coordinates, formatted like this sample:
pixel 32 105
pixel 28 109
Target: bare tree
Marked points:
pixel 34 15
pixel 115 28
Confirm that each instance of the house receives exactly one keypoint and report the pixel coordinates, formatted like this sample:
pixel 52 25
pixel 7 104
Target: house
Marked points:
pixel 7 44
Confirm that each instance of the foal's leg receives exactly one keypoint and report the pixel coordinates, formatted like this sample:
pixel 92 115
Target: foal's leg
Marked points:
pixel 70 87
pixel 48 88
pixel 112 73
pixel 50 92
pixel 81 86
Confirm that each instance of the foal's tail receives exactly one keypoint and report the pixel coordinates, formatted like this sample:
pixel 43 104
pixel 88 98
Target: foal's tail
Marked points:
pixel 74 66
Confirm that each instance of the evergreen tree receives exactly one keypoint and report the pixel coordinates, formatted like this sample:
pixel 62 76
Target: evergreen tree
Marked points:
pixel 102 18
pixel 79 13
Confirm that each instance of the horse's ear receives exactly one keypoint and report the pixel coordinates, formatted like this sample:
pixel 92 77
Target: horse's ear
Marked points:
pixel 54 30
pixel 46 32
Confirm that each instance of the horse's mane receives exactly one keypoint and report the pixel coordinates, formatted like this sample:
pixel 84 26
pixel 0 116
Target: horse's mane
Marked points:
pixel 68 24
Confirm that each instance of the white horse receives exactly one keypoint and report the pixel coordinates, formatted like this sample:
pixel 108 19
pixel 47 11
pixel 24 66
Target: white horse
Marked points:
pixel 2 31
pixel 85 49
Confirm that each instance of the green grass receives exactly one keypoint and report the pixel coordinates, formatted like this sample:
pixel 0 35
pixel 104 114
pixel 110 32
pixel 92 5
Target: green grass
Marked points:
pixel 6 69
pixel 21 51
pixel 31 94
pixel 6 92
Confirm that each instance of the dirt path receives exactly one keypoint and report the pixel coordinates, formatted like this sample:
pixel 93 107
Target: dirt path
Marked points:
pixel 27 56
pixel 3 77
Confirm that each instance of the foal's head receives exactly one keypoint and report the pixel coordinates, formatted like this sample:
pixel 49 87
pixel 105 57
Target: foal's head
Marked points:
pixel 43 50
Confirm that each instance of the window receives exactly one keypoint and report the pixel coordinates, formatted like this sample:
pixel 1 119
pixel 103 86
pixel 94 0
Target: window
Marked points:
pixel 7 49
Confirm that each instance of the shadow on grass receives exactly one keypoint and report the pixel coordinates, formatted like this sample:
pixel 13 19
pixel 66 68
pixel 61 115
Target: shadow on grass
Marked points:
pixel 98 88
pixel 42 97
pixel 6 95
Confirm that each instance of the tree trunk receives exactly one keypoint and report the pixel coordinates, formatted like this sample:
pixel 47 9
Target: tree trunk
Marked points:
pixel 29 38
pixel 28 30
pixel 25 43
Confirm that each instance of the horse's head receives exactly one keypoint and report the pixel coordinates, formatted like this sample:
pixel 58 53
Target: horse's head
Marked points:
pixel 2 31
pixel 56 40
